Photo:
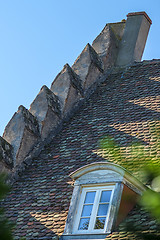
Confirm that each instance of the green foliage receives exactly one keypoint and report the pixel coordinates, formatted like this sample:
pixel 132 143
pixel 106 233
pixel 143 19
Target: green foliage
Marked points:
pixel 151 176
pixel 3 187
pixel 142 161
pixel 112 150
pixel 5 226
pixel 135 156
pixel 151 201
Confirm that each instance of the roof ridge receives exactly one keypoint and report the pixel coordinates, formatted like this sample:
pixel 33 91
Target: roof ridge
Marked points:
pixel 68 91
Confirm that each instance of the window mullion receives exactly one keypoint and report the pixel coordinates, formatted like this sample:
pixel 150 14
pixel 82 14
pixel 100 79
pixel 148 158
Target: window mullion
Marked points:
pixel 95 208
pixel 94 211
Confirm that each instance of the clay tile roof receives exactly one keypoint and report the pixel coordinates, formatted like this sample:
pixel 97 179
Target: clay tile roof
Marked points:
pixel 125 106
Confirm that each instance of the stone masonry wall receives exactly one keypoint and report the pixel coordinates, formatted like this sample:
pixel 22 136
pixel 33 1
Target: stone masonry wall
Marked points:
pixel 29 130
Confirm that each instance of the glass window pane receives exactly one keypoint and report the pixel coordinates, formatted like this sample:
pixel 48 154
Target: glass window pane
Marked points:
pixel 83 225
pixel 103 209
pixel 90 197
pixel 105 196
pixel 100 221
pixel 87 209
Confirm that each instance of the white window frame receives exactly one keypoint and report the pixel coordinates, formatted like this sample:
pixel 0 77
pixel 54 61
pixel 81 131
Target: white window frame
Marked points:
pixel 98 175
pixel 98 190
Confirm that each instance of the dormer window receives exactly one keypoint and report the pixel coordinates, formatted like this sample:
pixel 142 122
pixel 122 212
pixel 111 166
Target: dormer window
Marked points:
pixel 93 210
pixel 100 200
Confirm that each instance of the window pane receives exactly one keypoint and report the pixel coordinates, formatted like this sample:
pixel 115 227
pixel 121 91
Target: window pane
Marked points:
pixel 102 210
pixel 105 196
pixel 90 197
pixel 100 221
pixel 87 209
pixel 83 225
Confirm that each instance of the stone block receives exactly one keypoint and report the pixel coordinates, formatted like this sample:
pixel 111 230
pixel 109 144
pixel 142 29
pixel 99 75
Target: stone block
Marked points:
pixel 6 158
pixel 118 29
pixel 22 132
pixel 107 42
pixel 68 87
pixel 88 66
pixel 134 38
pixel 46 108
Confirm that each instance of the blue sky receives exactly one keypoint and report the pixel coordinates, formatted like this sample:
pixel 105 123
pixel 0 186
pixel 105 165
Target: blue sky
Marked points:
pixel 39 36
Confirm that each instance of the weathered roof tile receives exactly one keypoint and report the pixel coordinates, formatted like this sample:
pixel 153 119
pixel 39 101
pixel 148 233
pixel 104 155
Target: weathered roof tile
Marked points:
pixel 115 109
